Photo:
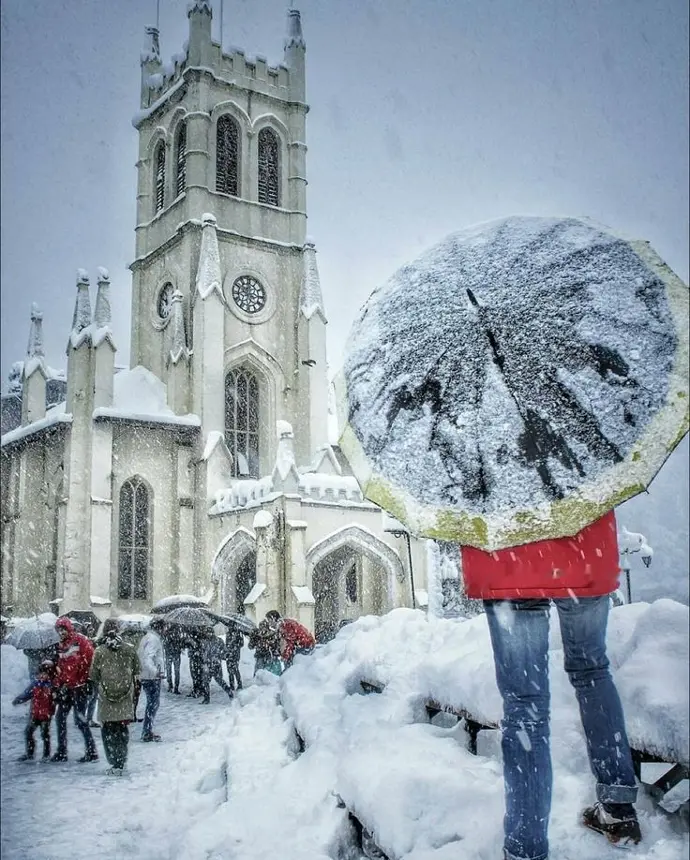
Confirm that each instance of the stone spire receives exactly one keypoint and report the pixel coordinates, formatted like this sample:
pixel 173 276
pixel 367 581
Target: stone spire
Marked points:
pixel 208 275
pixel 294 37
pixel 152 50
pixel 35 346
pixel 82 305
pixel 178 341
pixel 311 298
pixel 102 315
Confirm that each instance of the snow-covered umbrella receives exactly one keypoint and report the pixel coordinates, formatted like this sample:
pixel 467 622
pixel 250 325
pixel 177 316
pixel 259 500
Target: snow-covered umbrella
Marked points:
pixel 174 601
pixel 516 381
pixel 34 634
pixel 188 616
pixel 234 619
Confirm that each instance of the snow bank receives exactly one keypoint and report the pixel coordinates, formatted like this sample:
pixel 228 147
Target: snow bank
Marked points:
pixel 407 780
pixel 14 676
pixel 139 394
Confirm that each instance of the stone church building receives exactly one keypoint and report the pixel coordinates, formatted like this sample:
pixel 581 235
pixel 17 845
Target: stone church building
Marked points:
pixel 205 468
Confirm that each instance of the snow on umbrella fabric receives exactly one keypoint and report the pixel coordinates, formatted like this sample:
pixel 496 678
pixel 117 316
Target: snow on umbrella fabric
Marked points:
pixel 244 624
pixel 174 601
pixel 33 634
pixel 188 616
pixel 516 381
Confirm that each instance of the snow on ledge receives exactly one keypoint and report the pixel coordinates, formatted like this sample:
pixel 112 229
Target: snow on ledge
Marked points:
pixel 303 595
pixel 190 420
pixel 100 601
pixel 35 427
pixel 256 592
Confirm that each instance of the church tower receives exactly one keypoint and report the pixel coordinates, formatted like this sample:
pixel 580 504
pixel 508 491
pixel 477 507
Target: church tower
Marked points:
pixel 226 302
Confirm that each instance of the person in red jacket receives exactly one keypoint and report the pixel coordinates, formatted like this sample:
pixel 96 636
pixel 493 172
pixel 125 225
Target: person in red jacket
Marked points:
pixel 294 637
pixel 75 653
pixel 517 585
pixel 41 693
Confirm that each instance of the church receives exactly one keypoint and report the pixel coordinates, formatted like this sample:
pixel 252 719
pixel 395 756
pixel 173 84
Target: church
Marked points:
pixel 204 466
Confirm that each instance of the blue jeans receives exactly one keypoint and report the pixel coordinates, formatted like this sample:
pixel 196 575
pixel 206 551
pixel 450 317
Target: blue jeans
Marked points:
pixel 152 690
pixel 519 632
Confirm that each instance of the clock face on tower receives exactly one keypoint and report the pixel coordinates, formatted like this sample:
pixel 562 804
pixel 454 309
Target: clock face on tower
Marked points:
pixel 164 302
pixel 248 294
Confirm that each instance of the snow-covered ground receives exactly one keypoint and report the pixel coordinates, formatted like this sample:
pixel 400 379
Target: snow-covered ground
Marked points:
pixel 228 781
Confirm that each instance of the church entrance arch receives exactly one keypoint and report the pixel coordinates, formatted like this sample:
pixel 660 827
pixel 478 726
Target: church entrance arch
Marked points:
pixel 234 570
pixel 351 573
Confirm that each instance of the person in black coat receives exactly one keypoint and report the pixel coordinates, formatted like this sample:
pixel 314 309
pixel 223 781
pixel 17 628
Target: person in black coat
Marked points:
pixel 173 645
pixel 212 650
pixel 234 640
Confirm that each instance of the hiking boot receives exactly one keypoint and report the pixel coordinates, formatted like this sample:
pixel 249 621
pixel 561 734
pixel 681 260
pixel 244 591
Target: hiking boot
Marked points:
pixel 89 756
pixel 115 771
pixel 94 725
pixel 620 829
pixel 59 756
pixel 25 757
pixel 148 738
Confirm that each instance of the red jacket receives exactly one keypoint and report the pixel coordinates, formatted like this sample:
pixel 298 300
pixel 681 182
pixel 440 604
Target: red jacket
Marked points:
pixel 40 692
pixel 74 656
pixel 585 565
pixel 293 635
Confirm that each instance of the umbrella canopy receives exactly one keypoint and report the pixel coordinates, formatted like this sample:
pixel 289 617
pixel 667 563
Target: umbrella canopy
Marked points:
pixel 34 634
pixel 516 382
pixel 235 619
pixel 174 601
pixel 84 617
pixel 188 616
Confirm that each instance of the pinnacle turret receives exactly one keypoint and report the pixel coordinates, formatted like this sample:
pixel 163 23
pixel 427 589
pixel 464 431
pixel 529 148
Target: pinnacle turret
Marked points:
pixel 294 37
pixel 208 275
pixel 152 50
pixel 82 304
pixel 178 340
pixel 102 315
pixel 35 346
pixel 311 298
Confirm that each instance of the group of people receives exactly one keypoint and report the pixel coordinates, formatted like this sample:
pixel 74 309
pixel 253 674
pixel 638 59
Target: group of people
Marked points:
pixel 80 672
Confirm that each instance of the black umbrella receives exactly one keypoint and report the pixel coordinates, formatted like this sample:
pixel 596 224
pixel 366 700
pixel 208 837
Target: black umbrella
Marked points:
pixel 189 616
pixel 517 381
pixel 84 617
pixel 175 601
pixel 241 622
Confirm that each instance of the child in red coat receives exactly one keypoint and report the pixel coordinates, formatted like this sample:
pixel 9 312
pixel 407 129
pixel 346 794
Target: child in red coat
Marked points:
pixel 41 693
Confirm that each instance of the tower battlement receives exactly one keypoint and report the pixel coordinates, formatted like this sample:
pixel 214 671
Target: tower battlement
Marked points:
pixel 284 80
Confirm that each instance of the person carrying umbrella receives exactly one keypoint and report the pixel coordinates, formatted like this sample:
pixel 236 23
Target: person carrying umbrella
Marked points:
pixel 173 645
pixel 114 670
pixel 234 640
pixel 505 392
pixel 212 652
pixel 75 653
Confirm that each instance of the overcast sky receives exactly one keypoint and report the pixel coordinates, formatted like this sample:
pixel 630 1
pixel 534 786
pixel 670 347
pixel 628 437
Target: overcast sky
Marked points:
pixel 425 116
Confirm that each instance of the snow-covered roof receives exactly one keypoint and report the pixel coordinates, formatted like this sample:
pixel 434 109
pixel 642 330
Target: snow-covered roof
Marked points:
pixel 139 395
pixel 99 601
pixel 50 420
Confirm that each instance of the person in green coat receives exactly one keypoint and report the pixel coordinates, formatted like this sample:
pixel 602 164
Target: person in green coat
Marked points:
pixel 114 670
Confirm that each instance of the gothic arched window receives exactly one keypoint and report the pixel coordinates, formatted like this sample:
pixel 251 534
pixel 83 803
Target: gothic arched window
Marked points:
pixel 159 184
pixel 242 421
pixel 269 167
pixel 134 540
pixel 181 160
pixel 228 156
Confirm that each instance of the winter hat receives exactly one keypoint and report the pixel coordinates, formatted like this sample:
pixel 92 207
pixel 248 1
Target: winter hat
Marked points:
pixel 46 666
pixel 113 639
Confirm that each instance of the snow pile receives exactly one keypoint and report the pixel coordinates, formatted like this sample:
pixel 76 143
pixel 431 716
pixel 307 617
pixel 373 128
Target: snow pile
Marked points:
pixel 14 671
pixel 413 785
pixel 514 365
pixel 140 395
